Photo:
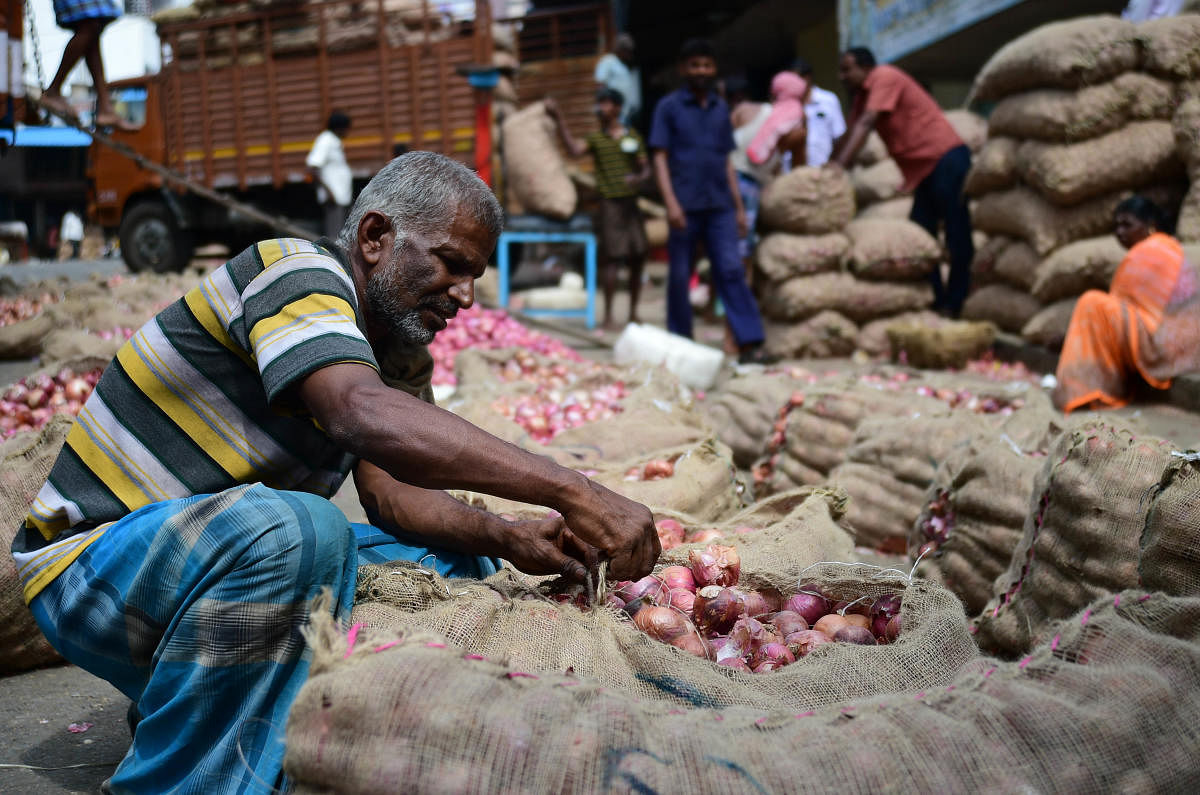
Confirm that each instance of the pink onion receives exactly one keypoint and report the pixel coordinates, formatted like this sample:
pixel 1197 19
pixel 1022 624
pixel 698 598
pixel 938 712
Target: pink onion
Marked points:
pixel 704 536
pixel 716 609
pixel 753 603
pixel 658 469
pixel 736 663
pixel 692 643
pixel 893 628
pixel 670 533
pixel 678 577
pixel 683 600
pixel 788 622
pixel 809 605
pixel 715 565
pixel 748 634
pixel 649 586
pixel 879 627
pixel 662 623
pixel 803 642
pixel 888 606
pixel 853 634
pixel 773 652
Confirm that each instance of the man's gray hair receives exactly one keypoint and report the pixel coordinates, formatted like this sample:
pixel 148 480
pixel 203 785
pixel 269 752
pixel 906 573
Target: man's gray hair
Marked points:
pixel 421 192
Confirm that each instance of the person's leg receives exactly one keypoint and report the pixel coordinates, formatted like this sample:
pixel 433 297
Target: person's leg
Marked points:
pixel 609 282
pixel 95 64
pixel 193 609
pixel 924 214
pixel 636 266
pixel 86 35
pixel 957 218
pixel 729 279
pixel 75 245
pixel 680 243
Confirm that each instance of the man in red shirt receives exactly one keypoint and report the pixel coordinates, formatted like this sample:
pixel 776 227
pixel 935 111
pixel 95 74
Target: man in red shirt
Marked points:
pixel 930 154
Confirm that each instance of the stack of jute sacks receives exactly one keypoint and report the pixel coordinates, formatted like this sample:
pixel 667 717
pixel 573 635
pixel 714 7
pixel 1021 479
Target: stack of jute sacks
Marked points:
pixel 1088 111
pixel 822 275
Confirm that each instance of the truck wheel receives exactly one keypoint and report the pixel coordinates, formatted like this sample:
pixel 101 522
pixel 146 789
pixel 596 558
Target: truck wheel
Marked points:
pixel 152 241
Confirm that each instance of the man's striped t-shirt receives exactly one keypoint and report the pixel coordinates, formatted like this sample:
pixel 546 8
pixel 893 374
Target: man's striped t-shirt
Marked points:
pixel 198 402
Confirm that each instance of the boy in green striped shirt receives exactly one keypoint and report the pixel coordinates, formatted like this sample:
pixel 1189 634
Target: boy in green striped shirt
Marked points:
pixel 621 165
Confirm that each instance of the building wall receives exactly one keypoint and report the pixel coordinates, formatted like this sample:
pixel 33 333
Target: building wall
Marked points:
pixel 895 28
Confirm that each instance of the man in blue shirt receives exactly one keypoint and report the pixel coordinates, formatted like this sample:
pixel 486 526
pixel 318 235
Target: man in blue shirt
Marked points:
pixel 692 137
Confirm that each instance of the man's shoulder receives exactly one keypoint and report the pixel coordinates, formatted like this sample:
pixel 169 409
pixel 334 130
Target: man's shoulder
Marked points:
pixel 886 74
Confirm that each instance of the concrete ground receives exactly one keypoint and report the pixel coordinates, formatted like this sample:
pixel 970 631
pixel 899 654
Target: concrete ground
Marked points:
pixel 39 752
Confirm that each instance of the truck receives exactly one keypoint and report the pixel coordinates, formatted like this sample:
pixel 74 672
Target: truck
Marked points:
pixel 244 90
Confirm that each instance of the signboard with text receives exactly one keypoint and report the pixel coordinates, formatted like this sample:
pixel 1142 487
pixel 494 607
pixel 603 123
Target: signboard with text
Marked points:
pixel 895 28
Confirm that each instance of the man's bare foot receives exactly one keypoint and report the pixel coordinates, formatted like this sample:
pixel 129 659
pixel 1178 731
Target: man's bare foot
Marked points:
pixel 114 121
pixel 58 106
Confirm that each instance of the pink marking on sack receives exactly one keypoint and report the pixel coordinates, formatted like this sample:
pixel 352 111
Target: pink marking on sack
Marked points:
pixel 949 688
pixel 718 716
pixel 760 721
pixel 387 645
pixel 1054 643
pixel 808 714
pixel 847 710
pixel 520 675
pixel 676 712
pixel 1145 598
pixel 1087 614
pixel 1025 662
pixel 351 639
pixel 474 657
pixel 1117 600
pixel 974 629
pixel 988 673
pixel 920 695
pixel 435 645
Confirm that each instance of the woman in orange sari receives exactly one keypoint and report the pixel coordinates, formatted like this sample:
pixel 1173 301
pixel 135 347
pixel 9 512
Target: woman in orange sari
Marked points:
pixel 1146 326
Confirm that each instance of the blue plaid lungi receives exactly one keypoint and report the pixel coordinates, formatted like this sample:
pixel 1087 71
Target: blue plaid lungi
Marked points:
pixel 68 12
pixel 193 609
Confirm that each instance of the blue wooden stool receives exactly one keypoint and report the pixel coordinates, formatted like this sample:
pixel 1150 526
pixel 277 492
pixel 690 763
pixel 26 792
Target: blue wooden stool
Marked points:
pixel 536 229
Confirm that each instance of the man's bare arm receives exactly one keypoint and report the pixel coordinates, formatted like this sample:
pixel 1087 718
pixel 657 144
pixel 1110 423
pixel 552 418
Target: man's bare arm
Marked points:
pixel 853 141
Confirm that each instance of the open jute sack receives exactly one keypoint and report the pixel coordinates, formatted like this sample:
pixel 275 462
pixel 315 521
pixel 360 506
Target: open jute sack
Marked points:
pixel 24 339
pixel 1108 706
pixel 1081 534
pixel 974 512
pixel 742 411
pixel 25 462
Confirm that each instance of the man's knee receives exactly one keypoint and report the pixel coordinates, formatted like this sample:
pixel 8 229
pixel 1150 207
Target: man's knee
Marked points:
pixel 301 524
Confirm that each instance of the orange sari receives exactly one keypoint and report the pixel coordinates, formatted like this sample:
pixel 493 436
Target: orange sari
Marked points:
pixel 1148 323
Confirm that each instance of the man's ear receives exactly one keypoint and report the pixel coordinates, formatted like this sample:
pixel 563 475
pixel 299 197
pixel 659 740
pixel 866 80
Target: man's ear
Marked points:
pixel 375 237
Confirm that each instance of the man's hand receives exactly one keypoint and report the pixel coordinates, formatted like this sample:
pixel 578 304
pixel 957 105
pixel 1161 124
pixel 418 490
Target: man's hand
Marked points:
pixel 743 225
pixel 675 216
pixel 833 165
pixel 546 546
pixel 622 530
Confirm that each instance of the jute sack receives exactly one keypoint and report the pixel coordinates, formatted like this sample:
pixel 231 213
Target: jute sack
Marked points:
pixel 1169 558
pixel 1186 126
pixel 1085 713
pixel 808 201
pixel 872 151
pixel 899 208
pixel 873 337
pixel 947 346
pixel 743 410
pixel 534 167
pixel 1081 533
pixel 971 127
pixel 876 183
pixel 1007 307
pixel 1049 326
pixel 505 617
pixel 974 511
pixel 25 462
pixel 890 250
pixel 1069 54
pixel 1077 267
pixel 859 300
pixel 1067 174
pixel 23 339
pixel 1016 264
pixel 825 335
pixel 780 255
pixel 1061 116
pixel 1188 227
pixel 994 168
pixel 63 345
pixel 1171 46
pixel 983 265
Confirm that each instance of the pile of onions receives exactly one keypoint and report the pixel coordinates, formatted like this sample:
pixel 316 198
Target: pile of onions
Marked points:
pixel 30 403
pixel 994 370
pixel 548 412
pixel 487 329
pixel 14 310
pixel 656 469
pixel 937 522
pixel 119 332
pixel 700 609
pixel 964 399
pixel 672 534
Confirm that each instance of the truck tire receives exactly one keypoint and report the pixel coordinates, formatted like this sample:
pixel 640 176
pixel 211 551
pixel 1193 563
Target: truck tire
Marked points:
pixel 151 240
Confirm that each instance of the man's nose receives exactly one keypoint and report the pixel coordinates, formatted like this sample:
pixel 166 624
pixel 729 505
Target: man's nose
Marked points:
pixel 463 292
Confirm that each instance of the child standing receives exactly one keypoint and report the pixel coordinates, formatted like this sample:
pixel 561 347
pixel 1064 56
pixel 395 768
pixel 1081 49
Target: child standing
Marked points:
pixel 621 165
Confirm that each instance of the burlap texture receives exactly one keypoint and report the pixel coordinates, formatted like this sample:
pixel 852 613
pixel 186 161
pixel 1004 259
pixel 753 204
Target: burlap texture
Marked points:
pixel 986 483
pixel 873 337
pixel 947 346
pixel 1016 263
pixel 1059 116
pixel 859 300
pixel 983 266
pixel 744 410
pixel 1067 174
pixel 1068 54
pixel 1170 543
pixel 780 255
pixel 1108 706
pixel 1077 267
pixel 24 339
pixel 1188 227
pixel 808 201
pixel 876 183
pixel 890 250
pixel 825 335
pixel 872 151
pixel 994 168
pixel 1186 126
pixel 62 345
pixel 1171 46
pixel 1081 533
pixel 25 462
pixel 971 127
pixel 1009 308
pixel 899 208
pixel 534 168
pixel 1049 326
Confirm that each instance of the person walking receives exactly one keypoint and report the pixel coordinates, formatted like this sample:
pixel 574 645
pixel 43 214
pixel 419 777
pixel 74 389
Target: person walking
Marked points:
pixel 87 19
pixel 620 166
pixel 823 113
pixel 691 139
pixel 931 156
pixel 617 71
pixel 71 230
pixel 327 163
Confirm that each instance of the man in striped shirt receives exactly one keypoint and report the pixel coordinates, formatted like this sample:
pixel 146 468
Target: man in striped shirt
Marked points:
pixel 186 526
